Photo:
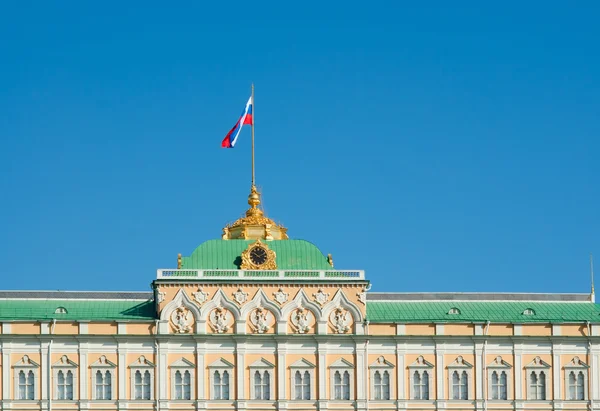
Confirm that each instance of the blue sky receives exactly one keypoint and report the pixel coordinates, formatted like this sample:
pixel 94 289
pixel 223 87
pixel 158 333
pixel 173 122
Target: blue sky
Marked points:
pixel 439 147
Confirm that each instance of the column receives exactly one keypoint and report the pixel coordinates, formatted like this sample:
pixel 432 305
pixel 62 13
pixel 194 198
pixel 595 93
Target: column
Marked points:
pixel 281 371
pixel 479 377
pixel 6 367
pixel 556 394
pixel 518 374
pixel 322 377
pixel 44 373
pixel 400 383
pixel 240 355
pixel 201 374
pixel 440 375
pixel 83 368
pixel 122 372
pixel 361 375
pixel 162 377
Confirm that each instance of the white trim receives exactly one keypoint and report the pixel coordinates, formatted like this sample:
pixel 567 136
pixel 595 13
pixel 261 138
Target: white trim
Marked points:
pixel 142 365
pixel 499 366
pixel 64 366
pixel 25 364
pixel 221 366
pixel 302 366
pixel 420 366
pixel 182 365
pixel 262 366
pixel 460 365
pixel 537 366
pixel 577 366
pixel 342 367
pixel 382 366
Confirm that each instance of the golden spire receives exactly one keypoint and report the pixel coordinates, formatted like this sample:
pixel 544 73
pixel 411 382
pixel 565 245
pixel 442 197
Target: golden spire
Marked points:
pixel 255 225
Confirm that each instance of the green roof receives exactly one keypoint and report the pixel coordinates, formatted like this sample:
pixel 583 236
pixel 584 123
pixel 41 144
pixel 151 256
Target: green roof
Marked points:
pixel 481 311
pixel 102 310
pixel 226 255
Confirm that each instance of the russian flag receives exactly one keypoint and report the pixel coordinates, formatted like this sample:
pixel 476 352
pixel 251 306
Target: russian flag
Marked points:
pixel 245 118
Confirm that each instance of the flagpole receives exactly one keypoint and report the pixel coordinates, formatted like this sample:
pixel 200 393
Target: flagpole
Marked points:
pixel 253 110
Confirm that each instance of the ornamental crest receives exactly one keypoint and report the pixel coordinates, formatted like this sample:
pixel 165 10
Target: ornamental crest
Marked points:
pixel 340 319
pixel 260 320
pixel 301 318
pixel 200 296
pixel 219 320
pixel 321 297
pixel 281 297
pixel 182 320
pixel 240 296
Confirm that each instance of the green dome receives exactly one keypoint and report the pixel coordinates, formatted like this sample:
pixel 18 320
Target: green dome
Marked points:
pixel 226 255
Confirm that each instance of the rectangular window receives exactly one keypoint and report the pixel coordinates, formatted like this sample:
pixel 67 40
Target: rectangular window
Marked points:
pixel 499 385
pixel 382 385
pixel 221 385
pixel 64 385
pixel 262 385
pixel 460 385
pixel 26 385
pixel 103 385
pixel 142 385
pixel 537 385
pixel 421 385
pixel 576 382
pixel 302 385
pixel 341 382
pixel 183 382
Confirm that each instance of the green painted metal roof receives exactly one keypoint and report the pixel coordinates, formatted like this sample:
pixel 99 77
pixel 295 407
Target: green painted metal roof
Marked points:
pixel 103 310
pixel 480 311
pixel 226 255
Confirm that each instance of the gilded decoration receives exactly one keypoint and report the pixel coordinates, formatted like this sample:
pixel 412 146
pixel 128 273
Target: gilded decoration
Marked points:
pixel 254 225
pixel 219 320
pixel 258 256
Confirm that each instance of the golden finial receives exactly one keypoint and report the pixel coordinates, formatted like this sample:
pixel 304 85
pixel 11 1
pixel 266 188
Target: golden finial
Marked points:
pixel 179 261
pixel 330 260
pixel 254 225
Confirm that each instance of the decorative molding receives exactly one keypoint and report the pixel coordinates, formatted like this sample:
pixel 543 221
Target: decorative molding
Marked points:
pixel 538 363
pixel 421 362
pixel 321 297
pixel 381 362
pixel 499 363
pixel 181 319
pixel 340 319
pixel 301 318
pixel 219 321
pixel 281 296
pixel 240 296
pixel 200 296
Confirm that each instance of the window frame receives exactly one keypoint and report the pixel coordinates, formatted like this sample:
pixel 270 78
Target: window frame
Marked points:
pixel 460 365
pixel 576 366
pixel 65 365
pixel 499 366
pixel 537 366
pixel 382 365
pixel 102 364
pixel 302 365
pixel 221 366
pixel 263 366
pixel 142 365
pixel 342 366
pixel 420 365
pixel 182 365
pixel 25 364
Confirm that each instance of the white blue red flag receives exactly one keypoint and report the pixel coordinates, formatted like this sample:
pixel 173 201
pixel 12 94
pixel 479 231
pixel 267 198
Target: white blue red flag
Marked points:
pixel 246 118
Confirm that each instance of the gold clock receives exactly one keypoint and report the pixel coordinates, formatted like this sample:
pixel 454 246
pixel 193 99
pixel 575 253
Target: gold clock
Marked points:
pixel 258 257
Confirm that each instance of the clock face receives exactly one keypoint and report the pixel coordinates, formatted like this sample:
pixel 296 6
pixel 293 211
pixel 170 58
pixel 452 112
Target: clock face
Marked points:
pixel 258 255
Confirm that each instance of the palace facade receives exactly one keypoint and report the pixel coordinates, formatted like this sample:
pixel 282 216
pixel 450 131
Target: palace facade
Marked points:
pixel 257 321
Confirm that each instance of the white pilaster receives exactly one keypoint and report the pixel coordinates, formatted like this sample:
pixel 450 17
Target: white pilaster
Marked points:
pixel 400 352
pixel 45 370
pixel 322 369
pixel 122 370
pixel 6 367
pixel 479 377
pixel 200 371
pixel 518 374
pixel 439 373
pixel 83 369
pixel 361 378
pixel 556 394
pixel 281 367
pixel 161 368
pixel 240 353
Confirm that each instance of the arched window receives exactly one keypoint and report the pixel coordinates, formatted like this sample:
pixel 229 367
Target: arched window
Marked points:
pixel 537 385
pixel 221 385
pixel 576 384
pixel 499 385
pixel 26 385
pixel 421 385
pixel 183 389
pixel 454 311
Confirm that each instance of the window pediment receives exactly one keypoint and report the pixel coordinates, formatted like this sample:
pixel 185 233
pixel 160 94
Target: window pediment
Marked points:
pixel 141 362
pixel 183 363
pixel 460 363
pixel 262 363
pixel 499 363
pixel 102 362
pixel 302 363
pixel 381 363
pixel 538 363
pixel 64 362
pixel 420 362
pixel 25 361
pixel 576 363
pixel 341 363
pixel 221 363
